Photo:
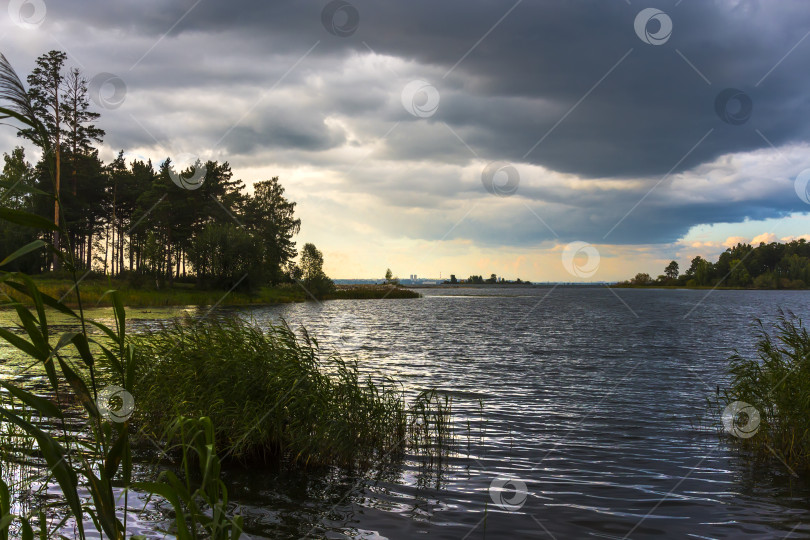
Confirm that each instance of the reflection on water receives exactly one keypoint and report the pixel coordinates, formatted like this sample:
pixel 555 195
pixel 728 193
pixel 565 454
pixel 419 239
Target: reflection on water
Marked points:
pixel 596 404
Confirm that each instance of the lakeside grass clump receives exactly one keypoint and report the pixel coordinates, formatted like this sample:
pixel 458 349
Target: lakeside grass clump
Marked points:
pixel 767 405
pixel 271 394
pixel 368 292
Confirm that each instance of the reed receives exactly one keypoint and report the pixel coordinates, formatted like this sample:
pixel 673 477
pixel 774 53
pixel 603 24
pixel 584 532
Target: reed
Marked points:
pixel 775 381
pixel 271 394
pixel 368 292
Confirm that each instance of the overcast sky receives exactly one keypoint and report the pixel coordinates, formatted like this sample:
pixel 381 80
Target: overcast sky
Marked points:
pixel 466 137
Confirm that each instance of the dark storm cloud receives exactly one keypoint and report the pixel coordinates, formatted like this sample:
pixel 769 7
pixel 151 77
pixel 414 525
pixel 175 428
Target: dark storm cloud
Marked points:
pixel 641 120
pixel 568 86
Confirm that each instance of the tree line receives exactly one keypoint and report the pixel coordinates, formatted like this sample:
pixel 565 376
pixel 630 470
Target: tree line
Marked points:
pixel 137 219
pixel 768 266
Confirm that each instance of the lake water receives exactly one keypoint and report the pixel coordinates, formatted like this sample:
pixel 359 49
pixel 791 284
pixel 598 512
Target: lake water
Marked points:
pixel 579 412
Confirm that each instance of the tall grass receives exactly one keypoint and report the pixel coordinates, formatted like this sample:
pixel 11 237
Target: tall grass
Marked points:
pixel 271 394
pixel 776 383
pixel 96 457
pixel 366 292
pixel 198 497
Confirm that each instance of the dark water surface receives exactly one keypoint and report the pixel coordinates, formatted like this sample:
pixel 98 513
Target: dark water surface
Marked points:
pixel 593 399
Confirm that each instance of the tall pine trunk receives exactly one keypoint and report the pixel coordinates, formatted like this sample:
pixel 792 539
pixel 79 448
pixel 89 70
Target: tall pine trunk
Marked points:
pixel 58 156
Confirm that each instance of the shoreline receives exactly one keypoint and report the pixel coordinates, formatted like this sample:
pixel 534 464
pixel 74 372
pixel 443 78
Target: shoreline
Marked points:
pixel 184 294
pixel 592 286
pixel 699 287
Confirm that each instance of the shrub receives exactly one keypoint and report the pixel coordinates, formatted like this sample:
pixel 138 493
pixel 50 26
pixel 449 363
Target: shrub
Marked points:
pixel 765 281
pixel 641 279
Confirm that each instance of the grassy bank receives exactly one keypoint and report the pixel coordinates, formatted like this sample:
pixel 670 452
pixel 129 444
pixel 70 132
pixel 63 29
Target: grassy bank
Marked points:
pixel 183 294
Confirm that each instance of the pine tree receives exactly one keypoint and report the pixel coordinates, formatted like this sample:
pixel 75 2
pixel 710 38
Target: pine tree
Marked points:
pixel 46 84
pixel 79 132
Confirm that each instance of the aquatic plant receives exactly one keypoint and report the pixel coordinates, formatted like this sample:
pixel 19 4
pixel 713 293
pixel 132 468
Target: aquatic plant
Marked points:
pixel 198 497
pixel 272 393
pixel 767 405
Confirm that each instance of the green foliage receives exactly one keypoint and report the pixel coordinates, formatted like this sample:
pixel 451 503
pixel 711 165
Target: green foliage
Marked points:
pixel 672 270
pixel 767 266
pixel 198 497
pixel 317 408
pixel 102 458
pixel 371 292
pixel 314 279
pixel 105 460
pixel 269 393
pixel 700 270
pixel 16 193
pixel 390 278
pixel 45 88
pixel 269 216
pixel 127 216
pixel 226 256
pixel 738 275
pixel 776 382
pixel 641 279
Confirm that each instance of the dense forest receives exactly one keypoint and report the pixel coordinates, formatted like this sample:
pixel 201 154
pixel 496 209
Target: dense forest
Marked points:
pixel 767 266
pixel 146 222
